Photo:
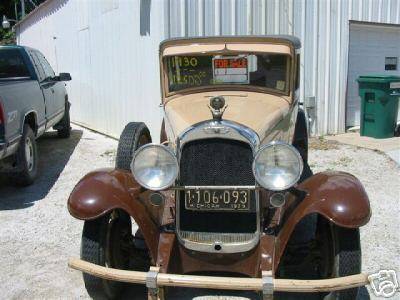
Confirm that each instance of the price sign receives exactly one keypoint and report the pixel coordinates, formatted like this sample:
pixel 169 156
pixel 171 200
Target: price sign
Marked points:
pixel 232 69
pixel 188 71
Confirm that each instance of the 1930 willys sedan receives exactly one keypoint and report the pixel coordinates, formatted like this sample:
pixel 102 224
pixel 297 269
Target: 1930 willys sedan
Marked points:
pixel 227 199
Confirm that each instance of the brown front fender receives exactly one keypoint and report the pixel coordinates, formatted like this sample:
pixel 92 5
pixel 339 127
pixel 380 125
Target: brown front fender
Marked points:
pixel 102 191
pixel 337 196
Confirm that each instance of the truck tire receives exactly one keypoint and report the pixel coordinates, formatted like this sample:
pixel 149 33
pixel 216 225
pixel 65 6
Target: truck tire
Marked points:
pixel 336 252
pixel 134 135
pixel 300 142
pixel 346 260
pixel 105 242
pixel 26 158
pixel 64 130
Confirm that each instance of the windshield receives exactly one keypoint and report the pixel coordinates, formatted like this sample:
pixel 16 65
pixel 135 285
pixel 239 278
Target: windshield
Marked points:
pixel 262 70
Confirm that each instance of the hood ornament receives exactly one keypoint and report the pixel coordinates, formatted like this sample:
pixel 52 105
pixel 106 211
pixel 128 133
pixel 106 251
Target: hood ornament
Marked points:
pixel 217 107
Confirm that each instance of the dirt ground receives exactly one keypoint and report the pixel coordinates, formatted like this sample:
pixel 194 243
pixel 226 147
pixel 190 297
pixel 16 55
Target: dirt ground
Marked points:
pixel 37 234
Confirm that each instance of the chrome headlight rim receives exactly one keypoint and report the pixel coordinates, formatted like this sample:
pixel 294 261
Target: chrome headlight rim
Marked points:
pixel 294 150
pixel 170 151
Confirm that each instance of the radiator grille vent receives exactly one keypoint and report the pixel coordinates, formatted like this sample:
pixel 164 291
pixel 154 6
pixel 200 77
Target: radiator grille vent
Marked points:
pixel 219 162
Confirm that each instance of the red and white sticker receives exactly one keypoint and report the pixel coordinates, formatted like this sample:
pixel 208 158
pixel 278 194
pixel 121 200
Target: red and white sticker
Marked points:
pixel 230 70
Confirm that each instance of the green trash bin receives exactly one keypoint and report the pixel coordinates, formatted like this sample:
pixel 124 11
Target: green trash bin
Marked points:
pixel 379 105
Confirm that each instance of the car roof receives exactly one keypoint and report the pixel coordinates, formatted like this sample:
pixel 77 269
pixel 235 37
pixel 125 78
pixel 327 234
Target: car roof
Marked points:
pixel 16 47
pixel 290 39
pixel 11 47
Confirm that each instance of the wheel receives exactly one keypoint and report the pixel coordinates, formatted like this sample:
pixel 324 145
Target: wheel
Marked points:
pixel 346 259
pixel 334 252
pixel 64 125
pixel 134 135
pixel 300 136
pixel 300 142
pixel 26 158
pixel 108 241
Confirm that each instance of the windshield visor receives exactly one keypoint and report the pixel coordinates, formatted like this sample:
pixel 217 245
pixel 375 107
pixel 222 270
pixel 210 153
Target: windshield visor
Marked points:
pixel 269 71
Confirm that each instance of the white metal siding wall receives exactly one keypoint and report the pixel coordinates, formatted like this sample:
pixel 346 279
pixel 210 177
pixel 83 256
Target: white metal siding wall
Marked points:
pixel 322 26
pixel 112 55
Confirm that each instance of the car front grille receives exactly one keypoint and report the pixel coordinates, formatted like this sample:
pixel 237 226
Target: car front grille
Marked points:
pixel 216 162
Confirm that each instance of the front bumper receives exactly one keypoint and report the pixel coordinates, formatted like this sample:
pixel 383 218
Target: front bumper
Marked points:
pixel 266 284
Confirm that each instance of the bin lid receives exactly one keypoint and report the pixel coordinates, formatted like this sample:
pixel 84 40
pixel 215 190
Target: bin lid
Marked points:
pixel 380 78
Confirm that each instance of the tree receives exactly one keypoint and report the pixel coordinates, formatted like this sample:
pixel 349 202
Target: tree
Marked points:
pixel 12 10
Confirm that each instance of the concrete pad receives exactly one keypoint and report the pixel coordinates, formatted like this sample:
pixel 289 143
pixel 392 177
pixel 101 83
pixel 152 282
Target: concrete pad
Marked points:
pixel 354 138
pixel 390 146
pixel 395 155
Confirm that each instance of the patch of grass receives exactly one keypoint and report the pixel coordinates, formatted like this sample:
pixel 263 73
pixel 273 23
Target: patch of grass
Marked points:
pixel 344 161
pixel 109 153
pixel 320 143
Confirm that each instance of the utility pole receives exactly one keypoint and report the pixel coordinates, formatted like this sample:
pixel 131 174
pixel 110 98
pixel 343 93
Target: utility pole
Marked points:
pixel 15 11
pixel 22 8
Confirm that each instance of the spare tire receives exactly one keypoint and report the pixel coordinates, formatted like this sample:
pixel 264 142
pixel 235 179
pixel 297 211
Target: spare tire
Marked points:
pixel 134 135
pixel 300 142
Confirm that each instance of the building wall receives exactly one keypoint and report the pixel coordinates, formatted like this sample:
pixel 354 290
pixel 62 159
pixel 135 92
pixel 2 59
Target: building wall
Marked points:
pixel 111 49
pixel 111 52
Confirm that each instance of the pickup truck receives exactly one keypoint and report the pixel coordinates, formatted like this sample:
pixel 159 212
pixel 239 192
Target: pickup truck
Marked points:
pixel 32 100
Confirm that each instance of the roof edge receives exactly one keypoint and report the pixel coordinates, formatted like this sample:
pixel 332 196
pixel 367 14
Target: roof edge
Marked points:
pixel 33 12
pixel 289 39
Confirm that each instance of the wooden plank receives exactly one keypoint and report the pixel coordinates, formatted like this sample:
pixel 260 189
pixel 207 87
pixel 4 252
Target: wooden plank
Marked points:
pixel 210 282
pixel 107 273
pixel 321 285
pixel 225 283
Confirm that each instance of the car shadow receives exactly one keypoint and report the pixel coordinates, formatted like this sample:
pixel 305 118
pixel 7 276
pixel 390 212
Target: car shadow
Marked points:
pixel 54 154
pixel 140 292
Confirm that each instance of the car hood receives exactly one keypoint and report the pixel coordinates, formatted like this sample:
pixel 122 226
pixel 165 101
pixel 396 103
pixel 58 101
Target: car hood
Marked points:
pixel 257 111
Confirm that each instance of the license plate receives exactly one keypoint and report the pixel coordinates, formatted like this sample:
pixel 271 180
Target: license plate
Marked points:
pixel 217 200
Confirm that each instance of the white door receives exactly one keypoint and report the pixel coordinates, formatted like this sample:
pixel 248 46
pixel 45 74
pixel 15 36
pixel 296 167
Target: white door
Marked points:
pixel 373 49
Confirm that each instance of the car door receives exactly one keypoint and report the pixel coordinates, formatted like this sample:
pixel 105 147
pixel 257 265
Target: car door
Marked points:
pixel 54 90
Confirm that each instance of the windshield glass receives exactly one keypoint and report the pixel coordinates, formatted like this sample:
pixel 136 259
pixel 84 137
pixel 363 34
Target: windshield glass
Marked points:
pixel 261 70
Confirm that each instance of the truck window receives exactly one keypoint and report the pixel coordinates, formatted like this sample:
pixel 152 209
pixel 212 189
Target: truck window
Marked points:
pixel 12 64
pixel 37 65
pixel 48 71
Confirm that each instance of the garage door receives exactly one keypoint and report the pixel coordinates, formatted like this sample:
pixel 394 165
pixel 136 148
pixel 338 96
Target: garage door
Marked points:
pixel 372 49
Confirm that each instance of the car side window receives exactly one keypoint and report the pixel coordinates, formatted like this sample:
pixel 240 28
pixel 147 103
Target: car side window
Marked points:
pixel 297 82
pixel 48 71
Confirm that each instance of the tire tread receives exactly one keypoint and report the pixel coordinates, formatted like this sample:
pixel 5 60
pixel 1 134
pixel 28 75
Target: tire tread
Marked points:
pixel 129 142
pixel 65 123
pixel 23 177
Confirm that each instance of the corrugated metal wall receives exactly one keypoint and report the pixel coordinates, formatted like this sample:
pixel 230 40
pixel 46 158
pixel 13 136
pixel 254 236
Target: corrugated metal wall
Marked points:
pixel 110 48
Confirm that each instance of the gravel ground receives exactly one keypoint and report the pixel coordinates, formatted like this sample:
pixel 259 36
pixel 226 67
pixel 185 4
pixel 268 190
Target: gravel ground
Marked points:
pixel 37 234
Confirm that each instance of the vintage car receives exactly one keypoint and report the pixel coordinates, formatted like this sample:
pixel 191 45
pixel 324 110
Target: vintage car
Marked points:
pixel 227 199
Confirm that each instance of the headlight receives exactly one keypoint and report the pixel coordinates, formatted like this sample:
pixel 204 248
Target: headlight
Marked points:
pixel 277 166
pixel 154 167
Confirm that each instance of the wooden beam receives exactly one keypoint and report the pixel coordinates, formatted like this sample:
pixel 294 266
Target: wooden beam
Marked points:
pixel 224 283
